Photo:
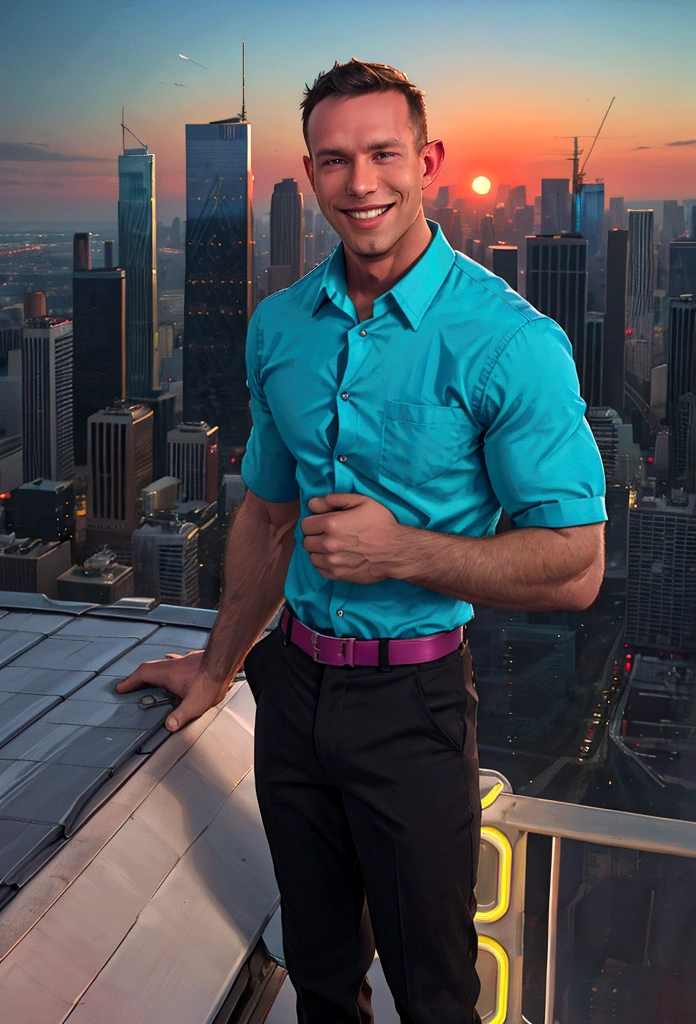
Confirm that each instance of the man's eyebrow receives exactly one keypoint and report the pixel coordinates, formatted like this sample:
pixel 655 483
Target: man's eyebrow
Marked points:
pixel 371 147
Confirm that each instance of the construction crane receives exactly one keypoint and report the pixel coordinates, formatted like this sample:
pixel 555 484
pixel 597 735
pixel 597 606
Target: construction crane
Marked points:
pixel 578 171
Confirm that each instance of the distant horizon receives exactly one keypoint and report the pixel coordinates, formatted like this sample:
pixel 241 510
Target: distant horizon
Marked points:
pixel 91 225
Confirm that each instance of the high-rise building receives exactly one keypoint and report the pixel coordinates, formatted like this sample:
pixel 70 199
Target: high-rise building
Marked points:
pixel 555 206
pixel 287 228
pixel 592 217
pixel 605 425
pixel 99 344
pixel 640 300
pixel 119 465
pixel 617 213
pixel 164 408
pixel 614 340
pixel 556 283
pixel 661 582
pixel 47 412
pixel 685 442
pixel 673 223
pixel 34 305
pixel 43 509
pixel 681 367
pixel 682 268
pixel 502 260
pixel 165 560
pixel 137 251
pixel 193 459
pixel 219 276
pixel 31 566
pixel 594 358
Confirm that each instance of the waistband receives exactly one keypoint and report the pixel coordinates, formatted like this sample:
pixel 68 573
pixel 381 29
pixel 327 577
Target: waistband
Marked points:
pixel 383 653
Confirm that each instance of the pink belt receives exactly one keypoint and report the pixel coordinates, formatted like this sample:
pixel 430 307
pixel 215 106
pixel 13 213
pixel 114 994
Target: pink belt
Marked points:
pixel 333 650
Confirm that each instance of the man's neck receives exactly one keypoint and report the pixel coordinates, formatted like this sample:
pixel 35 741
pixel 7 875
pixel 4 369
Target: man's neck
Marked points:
pixel 369 277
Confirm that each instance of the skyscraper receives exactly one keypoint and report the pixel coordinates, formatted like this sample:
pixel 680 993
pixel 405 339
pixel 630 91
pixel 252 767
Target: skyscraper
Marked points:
pixel 287 228
pixel 605 424
pixel 661 583
pixel 47 413
pixel 557 285
pixel 592 217
pixel 165 560
pixel 673 222
pixel 119 449
pixel 217 302
pixel 555 206
pixel 681 370
pixel 614 340
pixel 137 249
pixel 640 287
pixel 99 343
pixel 193 459
pixel 34 305
pixel 594 358
pixel 502 260
pixel 682 268
pixel 617 213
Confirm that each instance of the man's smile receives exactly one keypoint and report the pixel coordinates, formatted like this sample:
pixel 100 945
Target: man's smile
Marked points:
pixel 367 213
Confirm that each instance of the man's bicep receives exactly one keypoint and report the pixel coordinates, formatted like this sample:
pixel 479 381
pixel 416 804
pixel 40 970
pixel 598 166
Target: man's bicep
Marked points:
pixel 541 457
pixel 268 467
pixel 279 513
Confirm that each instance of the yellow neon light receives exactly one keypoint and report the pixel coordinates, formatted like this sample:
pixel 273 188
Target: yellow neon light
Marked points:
pixel 502 845
pixel 502 987
pixel 492 795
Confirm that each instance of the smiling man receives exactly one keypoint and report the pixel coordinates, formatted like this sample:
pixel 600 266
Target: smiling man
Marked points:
pixel 401 397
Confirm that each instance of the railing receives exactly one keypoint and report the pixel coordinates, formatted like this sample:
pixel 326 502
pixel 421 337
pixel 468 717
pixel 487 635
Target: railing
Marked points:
pixel 508 820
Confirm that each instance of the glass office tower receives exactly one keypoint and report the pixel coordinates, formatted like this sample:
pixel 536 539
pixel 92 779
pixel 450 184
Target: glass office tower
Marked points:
pixel 217 302
pixel 137 250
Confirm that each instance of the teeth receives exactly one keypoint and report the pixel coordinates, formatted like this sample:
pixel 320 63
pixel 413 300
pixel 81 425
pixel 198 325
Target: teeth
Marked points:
pixel 366 214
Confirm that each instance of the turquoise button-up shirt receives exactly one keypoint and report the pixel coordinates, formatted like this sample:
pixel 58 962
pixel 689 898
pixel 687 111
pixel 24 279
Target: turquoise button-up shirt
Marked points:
pixel 455 400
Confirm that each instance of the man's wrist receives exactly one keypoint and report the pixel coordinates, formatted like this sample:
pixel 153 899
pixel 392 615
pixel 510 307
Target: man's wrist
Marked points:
pixel 402 552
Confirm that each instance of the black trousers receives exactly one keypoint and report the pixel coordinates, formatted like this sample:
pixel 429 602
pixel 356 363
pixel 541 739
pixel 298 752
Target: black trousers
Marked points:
pixel 368 786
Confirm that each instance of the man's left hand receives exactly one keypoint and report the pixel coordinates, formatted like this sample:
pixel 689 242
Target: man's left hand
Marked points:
pixel 349 537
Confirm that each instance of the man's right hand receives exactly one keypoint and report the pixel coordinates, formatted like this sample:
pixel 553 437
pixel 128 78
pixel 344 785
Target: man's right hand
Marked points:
pixel 182 674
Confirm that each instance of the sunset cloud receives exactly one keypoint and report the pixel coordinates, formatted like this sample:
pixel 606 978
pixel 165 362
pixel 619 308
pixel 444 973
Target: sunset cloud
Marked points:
pixel 682 142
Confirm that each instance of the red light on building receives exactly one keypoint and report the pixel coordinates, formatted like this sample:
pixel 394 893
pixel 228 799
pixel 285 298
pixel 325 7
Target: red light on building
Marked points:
pixel 629 330
pixel 6 496
pixel 650 458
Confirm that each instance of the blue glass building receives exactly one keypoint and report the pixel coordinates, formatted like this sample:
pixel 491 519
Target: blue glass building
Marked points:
pixel 137 246
pixel 219 265
pixel 592 217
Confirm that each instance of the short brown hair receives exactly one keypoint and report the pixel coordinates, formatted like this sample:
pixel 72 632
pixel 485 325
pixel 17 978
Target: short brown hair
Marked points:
pixel 356 78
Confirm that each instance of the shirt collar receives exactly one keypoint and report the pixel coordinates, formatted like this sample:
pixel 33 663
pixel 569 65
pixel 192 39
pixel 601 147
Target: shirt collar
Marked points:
pixel 413 293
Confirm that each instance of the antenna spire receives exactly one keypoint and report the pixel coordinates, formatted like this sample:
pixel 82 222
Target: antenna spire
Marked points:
pixel 123 128
pixel 244 115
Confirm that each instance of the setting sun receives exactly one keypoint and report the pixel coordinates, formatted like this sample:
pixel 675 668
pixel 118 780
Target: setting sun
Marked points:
pixel 481 185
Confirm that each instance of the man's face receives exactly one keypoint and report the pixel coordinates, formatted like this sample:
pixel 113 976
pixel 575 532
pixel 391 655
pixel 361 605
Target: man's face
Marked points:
pixel 365 169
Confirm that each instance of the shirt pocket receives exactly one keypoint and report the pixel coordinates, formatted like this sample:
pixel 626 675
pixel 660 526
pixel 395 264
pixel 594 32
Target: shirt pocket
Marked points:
pixel 420 442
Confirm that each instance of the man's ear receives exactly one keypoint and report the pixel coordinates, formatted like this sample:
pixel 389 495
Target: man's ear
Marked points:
pixel 433 157
pixel 309 168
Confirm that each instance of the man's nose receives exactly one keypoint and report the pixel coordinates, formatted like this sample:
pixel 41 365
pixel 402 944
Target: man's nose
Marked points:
pixel 363 179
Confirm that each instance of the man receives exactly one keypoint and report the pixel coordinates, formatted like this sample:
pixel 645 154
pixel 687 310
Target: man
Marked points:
pixel 401 396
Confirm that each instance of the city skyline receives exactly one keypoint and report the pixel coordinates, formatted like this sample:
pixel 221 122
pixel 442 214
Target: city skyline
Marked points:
pixel 503 88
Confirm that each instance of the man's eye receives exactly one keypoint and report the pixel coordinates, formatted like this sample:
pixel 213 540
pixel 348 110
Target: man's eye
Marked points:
pixel 335 160
pixel 380 155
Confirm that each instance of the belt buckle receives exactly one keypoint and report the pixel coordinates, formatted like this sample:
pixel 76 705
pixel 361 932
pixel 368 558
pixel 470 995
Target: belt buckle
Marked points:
pixel 348 651
pixel 315 654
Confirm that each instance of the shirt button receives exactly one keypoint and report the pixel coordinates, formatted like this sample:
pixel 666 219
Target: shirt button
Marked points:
pixel 342 458
pixel 345 396
pixel 340 611
pixel 363 334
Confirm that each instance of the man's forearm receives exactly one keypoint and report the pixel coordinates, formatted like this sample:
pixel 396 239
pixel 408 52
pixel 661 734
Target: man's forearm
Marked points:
pixel 257 556
pixel 530 569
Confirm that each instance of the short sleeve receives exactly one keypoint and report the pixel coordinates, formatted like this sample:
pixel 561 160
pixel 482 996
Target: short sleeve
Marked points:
pixel 268 467
pixel 541 457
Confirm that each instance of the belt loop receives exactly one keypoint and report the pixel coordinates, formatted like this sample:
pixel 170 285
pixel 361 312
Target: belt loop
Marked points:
pixel 288 632
pixel 384 665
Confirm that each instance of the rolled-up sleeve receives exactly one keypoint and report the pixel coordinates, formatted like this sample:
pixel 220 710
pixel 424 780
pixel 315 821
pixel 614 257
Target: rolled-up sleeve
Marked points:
pixel 540 454
pixel 268 467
